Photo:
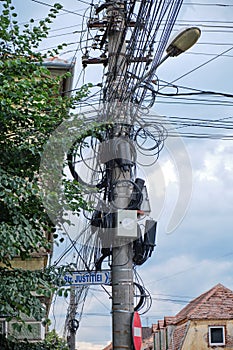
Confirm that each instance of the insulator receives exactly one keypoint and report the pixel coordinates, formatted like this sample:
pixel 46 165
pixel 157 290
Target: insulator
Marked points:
pixel 94 46
pixel 103 56
pixel 97 38
pixel 86 55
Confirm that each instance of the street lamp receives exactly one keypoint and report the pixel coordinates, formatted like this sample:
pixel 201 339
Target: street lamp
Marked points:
pixel 181 43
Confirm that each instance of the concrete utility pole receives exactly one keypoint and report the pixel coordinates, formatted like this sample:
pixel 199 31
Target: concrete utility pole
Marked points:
pixel 71 321
pixel 122 265
pixel 117 214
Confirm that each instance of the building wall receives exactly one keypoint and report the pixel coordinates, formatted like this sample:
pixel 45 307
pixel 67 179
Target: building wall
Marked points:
pixel 197 336
pixel 161 339
pixel 33 263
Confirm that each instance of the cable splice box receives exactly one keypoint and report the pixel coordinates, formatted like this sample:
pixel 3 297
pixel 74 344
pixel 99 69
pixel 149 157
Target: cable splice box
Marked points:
pixel 126 223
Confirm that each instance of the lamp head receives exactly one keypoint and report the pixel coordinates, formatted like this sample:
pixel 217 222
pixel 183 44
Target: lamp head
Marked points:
pixel 183 41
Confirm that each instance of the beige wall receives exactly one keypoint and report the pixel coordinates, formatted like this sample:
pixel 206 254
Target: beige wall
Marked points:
pixel 197 335
pixel 33 263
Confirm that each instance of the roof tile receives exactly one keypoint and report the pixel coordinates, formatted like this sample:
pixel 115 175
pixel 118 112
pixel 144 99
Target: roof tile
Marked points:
pixel 217 303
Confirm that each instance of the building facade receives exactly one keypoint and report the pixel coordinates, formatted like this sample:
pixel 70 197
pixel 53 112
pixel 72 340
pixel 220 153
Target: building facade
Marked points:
pixel 39 260
pixel 205 323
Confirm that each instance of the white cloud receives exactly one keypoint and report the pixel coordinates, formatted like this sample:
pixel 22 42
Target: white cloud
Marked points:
pixel 169 172
pixel 191 260
pixel 180 276
pixel 217 163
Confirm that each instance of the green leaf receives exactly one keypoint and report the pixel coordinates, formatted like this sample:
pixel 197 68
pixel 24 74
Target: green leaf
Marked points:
pixel 58 6
pixel 31 108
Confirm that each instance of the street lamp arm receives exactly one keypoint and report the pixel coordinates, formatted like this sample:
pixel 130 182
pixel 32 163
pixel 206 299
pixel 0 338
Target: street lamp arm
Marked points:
pixel 181 43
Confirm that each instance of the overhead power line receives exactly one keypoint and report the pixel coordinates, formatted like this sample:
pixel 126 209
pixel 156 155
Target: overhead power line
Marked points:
pixel 85 2
pixel 194 102
pixel 196 93
pixel 205 4
pixel 202 65
pixel 64 10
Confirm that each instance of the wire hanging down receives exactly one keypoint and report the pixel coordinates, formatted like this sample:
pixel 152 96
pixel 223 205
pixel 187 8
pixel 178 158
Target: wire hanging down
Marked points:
pixel 104 161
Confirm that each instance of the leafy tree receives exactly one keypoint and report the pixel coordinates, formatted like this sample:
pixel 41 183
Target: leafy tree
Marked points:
pixel 53 341
pixel 31 108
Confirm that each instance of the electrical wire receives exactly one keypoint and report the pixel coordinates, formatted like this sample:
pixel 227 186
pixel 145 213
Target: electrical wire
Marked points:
pixel 85 2
pixel 64 10
pixel 145 299
pixel 196 93
pixel 202 65
pixel 205 4
pixel 72 246
pixel 153 22
pixel 206 54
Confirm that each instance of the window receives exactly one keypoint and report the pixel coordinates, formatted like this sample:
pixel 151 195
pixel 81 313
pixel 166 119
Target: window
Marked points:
pixel 216 335
pixel 2 326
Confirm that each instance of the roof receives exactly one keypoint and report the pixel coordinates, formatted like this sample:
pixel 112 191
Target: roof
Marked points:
pixel 169 320
pixel 217 303
pixel 57 62
pixel 108 347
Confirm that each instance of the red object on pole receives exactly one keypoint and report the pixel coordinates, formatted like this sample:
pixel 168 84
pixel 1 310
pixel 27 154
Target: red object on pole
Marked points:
pixel 137 331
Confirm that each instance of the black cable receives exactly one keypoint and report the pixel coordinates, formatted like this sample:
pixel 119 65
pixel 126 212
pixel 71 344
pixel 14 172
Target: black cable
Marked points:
pixel 198 99
pixel 205 54
pixel 196 93
pixel 73 242
pixel 214 43
pixel 145 294
pixel 62 9
pixel 202 65
pixel 85 2
pixel 67 27
pixel 204 4
pixel 177 87
pixel 195 101
pixel 179 123
pixel 203 136
pixel 63 34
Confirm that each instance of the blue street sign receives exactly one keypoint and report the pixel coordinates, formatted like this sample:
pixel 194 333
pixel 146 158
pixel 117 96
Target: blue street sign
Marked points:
pixel 80 278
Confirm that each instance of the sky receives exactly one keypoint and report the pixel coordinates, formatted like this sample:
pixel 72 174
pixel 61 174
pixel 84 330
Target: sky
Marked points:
pixel 198 253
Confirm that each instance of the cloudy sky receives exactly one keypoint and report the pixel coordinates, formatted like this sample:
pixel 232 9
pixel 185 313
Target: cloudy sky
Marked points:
pixel 198 254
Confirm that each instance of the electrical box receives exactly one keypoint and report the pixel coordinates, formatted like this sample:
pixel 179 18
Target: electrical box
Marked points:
pixel 127 223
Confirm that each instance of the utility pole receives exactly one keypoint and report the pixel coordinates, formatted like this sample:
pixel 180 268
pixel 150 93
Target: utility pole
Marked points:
pixel 122 297
pixel 72 313
pixel 122 252
pixel 115 218
pixel 72 323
